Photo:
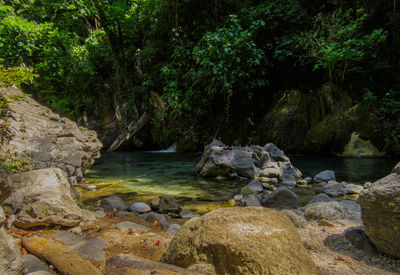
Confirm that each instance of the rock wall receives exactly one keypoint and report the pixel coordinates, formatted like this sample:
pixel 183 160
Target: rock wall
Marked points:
pixel 45 139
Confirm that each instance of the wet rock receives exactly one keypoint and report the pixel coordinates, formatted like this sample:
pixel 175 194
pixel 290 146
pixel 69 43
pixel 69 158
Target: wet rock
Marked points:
pixel 99 214
pixel 126 225
pixel 140 207
pixel 155 203
pixel 46 140
pixel 289 182
pixel 325 176
pixel 151 217
pixel 320 198
pixel 114 203
pixel 352 209
pixel 333 188
pixel 380 209
pixel 33 264
pixel 187 214
pixel 172 229
pixel 266 241
pixel 65 260
pixel 324 210
pixel 168 204
pixel 68 237
pixel 129 264
pixel 298 220
pixel 10 255
pixel 281 198
pixel 253 187
pixel 91 249
pixel 251 200
pixel 358 238
pixel 265 163
pixel 43 198
pixel 353 189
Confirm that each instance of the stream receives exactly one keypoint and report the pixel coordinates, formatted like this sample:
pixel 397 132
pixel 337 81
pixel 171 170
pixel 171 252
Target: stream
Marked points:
pixel 139 176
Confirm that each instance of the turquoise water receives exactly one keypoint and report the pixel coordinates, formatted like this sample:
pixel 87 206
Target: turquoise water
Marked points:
pixel 139 176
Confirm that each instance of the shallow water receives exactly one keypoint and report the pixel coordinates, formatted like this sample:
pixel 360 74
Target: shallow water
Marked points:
pixel 139 176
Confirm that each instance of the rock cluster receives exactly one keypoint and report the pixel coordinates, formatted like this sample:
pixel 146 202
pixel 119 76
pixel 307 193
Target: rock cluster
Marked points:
pixel 380 212
pixel 267 163
pixel 44 139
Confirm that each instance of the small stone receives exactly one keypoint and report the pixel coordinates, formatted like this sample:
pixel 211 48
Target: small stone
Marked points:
pixel 281 198
pixel 126 225
pixel 320 198
pixel 238 198
pixel 289 182
pixel 168 204
pixel 155 203
pixel 172 229
pixel 68 237
pixel 251 200
pixel 367 185
pixel 353 189
pixel 187 214
pixel 33 264
pixel 255 186
pixel 99 214
pixel 140 207
pixel 325 176
pixel 91 187
pixel 308 179
pixel 91 249
pixel 333 188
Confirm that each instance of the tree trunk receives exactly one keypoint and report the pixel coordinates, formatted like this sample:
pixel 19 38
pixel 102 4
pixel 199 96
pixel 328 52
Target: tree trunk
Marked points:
pixel 132 129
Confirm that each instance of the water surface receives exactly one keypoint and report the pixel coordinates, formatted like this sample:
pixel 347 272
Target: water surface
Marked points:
pixel 139 176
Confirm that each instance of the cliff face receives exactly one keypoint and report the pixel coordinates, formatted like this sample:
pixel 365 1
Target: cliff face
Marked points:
pixel 35 137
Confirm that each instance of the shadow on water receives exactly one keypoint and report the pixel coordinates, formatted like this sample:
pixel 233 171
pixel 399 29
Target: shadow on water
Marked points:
pixel 142 175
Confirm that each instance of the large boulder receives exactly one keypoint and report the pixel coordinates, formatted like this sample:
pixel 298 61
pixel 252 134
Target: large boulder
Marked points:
pixel 240 240
pixel 249 162
pixel 43 198
pixel 330 211
pixel 380 212
pixel 10 255
pixel 44 139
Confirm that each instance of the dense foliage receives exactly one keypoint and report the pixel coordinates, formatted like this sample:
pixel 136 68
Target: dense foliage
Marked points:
pixel 206 59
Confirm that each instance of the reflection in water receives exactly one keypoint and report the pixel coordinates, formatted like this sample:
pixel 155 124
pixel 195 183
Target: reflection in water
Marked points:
pixel 139 176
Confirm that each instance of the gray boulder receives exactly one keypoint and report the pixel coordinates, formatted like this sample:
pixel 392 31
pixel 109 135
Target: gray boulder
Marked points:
pixel 168 204
pixel 253 187
pixel 358 238
pixel 267 163
pixel 353 189
pixel 352 209
pixel 251 200
pixel 281 198
pixel 43 198
pixel 329 211
pixel 152 216
pixel 44 139
pixel 325 176
pixel 320 198
pixel 140 207
pixel 333 188
pixel 380 212
pixel 298 220
pixel 10 256
pixel 33 264
pixel 114 203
